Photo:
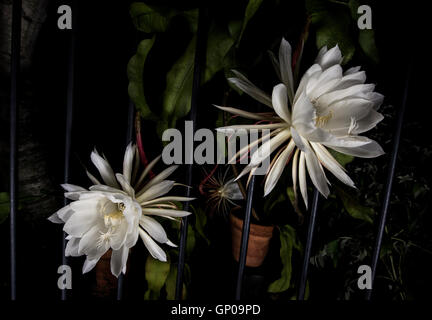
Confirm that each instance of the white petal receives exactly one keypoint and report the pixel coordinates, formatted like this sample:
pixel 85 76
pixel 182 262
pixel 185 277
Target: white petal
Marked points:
pixel 248 87
pixel 314 71
pixel 331 164
pixel 54 218
pixel 166 199
pixel 369 150
pixel 119 260
pixel 166 212
pixel 155 251
pixel 80 222
pixel 297 139
pixel 156 191
pixel 104 169
pixel 330 58
pixel 147 169
pixel 72 188
pixel 277 169
pixel 285 61
pixel 160 177
pixel 326 81
pixel 280 102
pixel 125 185
pixel 295 172
pixel 316 173
pixel 275 64
pixel 302 178
pixel 92 178
pixel 128 162
pixel 89 265
pixel 340 113
pixel 352 70
pixel 72 247
pixel 88 244
pixel 268 147
pixel 369 122
pixel 154 229
pixel 233 129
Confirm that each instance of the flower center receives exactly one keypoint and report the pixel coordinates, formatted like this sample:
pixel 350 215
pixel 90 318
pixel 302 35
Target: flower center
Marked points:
pixel 113 213
pixel 321 120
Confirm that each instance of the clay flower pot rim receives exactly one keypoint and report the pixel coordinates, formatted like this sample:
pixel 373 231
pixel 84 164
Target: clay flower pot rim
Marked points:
pixel 236 209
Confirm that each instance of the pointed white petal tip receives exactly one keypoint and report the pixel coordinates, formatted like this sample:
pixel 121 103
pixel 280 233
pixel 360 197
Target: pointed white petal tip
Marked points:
pixel 171 244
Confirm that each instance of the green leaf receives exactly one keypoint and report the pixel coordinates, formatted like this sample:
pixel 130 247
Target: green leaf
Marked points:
pixel 135 71
pixel 353 207
pixel 366 37
pixel 342 158
pixel 251 9
pixel 333 28
pixel 170 285
pixel 149 20
pixel 178 92
pixel 177 95
pixel 156 273
pixel 4 206
pixel 367 43
pixel 287 239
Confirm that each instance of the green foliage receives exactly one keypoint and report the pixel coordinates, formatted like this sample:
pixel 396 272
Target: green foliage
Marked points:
pixel 251 9
pixel 135 70
pixel 156 273
pixel 353 207
pixel 4 206
pixel 336 23
pixel 148 19
pixel 288 240
pixel 366 37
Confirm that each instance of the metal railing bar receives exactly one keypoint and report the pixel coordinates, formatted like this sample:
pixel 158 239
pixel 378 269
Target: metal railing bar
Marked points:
pixel 199 59
pixel 15 68
pixel 309 239
pixel 68 128
pixel 245 238
pixel 389 181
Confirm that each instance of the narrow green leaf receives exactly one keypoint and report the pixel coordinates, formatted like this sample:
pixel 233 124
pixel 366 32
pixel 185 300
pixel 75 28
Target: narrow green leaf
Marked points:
pixel 287 238
pixel 135 71
pixel 251 9
pixel 156 273
pixel 177 95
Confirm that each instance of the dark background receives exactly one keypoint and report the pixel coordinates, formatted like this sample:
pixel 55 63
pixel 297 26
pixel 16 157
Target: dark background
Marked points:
pixel 106 39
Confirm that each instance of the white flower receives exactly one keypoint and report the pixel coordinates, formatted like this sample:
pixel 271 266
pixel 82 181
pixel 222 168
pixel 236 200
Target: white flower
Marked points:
pixel 329 108
pixel 114 214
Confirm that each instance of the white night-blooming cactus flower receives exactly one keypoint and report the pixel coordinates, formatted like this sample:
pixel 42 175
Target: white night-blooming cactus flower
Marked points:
pixel 328 109
pixel 111 215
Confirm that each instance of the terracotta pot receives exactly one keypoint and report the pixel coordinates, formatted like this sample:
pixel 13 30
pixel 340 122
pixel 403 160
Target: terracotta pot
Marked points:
pixel 258 244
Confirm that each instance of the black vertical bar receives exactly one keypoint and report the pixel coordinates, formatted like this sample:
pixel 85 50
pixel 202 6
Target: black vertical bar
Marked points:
pixel 200 51
pixel 69 120
pixel 15 67
pixel 309 239
pixel 129 137
pixel 389 182
pixel 245 238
